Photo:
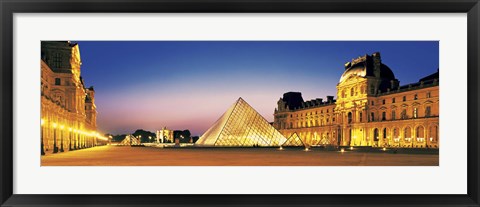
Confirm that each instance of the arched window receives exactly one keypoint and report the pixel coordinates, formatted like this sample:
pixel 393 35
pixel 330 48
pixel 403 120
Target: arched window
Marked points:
pixel 404 114
pixel 433 133
pixel 384 133
pixel 395 133
pixel 384 116
pixel 420 132
pixel 407 133
pixel 349 117
pixel 375 134
pixel 393 115
pixel 427 111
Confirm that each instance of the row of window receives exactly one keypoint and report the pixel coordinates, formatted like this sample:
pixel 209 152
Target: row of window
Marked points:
pixel 310 113
pixel 404 98
pixel 407 133
pixel 403 115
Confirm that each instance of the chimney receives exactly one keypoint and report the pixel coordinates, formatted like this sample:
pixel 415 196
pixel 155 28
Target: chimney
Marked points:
pixel 377 64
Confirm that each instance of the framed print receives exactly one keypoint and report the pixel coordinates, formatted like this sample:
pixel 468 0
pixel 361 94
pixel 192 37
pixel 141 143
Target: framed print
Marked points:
pixel 239 103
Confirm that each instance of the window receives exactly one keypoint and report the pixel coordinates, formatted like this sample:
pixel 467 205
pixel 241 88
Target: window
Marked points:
pixel 349 117
pixel 415 112
pixel 360 116
pixel 404 98
pixel 393 100
pixel 327 121
pixel 372 89
pixel 415 97
pixel 57 60
pixel 327 110
pixel 372 118
pixel 57 81
pixel 352 91
pixel 428 95
pixel 291 125
pixel 404 114
pixel 343 93
pixel 427 111
pixel 383 101
pixel 333 120
pixel 375 135
pixel 373 103
pixel 393 115
pixel 384 116
pixel 384 133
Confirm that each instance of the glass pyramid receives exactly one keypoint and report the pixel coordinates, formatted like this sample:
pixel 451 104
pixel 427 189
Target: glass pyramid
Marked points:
pixel 130 140
pixel 294 141
pixel 241 126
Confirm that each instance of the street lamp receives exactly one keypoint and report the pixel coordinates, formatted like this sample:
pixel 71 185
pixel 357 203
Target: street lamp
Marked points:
pixel 55 148
pixel 70 139
pixel 75 138
pixel 61 138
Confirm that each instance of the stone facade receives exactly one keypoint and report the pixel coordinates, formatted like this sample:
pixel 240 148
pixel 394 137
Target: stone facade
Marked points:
pixel 68 111
pixel 371 109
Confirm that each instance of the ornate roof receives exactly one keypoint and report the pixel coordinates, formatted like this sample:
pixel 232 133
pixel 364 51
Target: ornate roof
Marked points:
pixel 364 66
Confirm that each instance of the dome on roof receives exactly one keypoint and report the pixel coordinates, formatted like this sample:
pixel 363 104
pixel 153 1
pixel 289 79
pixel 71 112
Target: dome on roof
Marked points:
pixel 365 68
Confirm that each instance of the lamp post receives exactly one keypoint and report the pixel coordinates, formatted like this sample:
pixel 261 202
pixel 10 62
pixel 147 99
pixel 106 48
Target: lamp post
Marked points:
pixel 55 148
pixel 61 138
pixel 42 122
pixel 74 139
pixel 70 139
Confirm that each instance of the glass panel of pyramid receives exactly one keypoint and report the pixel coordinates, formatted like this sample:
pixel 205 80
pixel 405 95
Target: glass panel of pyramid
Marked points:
pixel 130 140
pixel 294 141
pixel 241 126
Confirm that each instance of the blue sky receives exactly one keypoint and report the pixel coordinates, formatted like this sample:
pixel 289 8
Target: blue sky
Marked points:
pixel 189 84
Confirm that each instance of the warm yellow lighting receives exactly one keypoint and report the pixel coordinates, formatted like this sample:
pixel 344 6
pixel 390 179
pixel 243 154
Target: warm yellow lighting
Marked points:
pixel 351 148
pixel 75 130
pixel 342 150
pixel 61 127
pixel 384 149
pixel 307 149
pixel 54 125
pixel 42 122
pixel 69 129
pixel 281 148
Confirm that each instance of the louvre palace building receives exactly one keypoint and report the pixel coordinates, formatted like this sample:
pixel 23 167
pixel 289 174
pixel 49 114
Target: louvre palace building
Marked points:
pixel 371 109
pixel 68 111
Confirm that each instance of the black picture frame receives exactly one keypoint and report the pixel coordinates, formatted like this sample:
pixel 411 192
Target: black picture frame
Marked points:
pixel 10 7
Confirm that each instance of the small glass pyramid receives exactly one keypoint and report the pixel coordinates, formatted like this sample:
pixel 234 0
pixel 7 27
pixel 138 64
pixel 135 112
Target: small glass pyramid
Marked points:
pixel 241 126
pixel 130 140
pixel 294 141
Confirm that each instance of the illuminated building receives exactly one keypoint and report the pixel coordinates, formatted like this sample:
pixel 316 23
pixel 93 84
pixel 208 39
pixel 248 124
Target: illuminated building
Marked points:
pixel 164 135
pixel 241 126
pixel 371 109
pixel 68 111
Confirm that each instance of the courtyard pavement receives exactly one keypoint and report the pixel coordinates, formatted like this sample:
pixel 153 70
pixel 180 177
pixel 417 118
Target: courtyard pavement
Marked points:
pixel 111 155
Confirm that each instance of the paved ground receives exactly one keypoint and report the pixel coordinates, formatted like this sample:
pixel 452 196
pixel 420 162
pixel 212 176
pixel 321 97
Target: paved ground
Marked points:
pixel 149 156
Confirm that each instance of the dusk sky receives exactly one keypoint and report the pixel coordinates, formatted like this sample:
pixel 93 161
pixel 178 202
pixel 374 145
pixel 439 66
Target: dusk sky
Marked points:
pixel 190 84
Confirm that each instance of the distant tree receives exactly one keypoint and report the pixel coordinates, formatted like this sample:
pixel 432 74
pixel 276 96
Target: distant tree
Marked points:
pixel 183 135
pixel 146 136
